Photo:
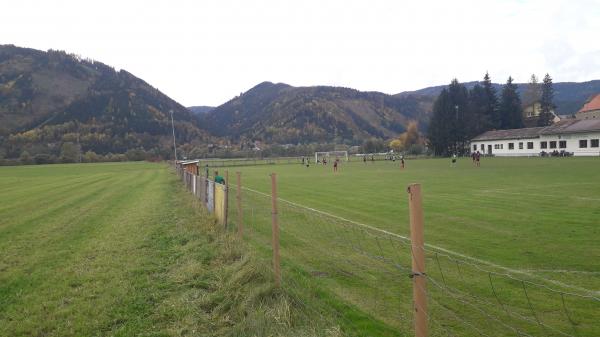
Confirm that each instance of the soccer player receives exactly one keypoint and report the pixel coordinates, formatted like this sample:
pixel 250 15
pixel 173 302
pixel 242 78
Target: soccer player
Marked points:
pixel 477 156
pixel 473 155
pixel 365 159
pixel 453 164
pixel 402 162
pixel 335 165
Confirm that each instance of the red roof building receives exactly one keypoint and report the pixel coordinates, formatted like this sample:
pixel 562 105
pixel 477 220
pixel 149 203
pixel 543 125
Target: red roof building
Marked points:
pixel 590 110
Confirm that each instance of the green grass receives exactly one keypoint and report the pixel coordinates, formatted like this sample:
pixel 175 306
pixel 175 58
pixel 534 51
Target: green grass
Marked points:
pixel 121 250
pixel 535 219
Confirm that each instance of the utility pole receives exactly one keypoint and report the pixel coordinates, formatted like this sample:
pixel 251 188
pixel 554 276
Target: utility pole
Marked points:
pixel 173 127
pixel 456 131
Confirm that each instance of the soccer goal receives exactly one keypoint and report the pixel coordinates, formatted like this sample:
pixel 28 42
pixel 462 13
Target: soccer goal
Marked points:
pixel 342 155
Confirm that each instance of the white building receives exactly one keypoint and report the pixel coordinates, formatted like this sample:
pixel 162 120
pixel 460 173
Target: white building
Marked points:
pixel 580 137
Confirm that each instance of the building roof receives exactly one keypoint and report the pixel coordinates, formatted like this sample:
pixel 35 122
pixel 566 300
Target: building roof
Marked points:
pixel 510 134
pixel 188 162
pixel 572 126
pixel 592 104
pixel 562 127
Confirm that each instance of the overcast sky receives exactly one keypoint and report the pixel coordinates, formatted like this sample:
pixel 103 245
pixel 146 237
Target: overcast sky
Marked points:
pixel 206 52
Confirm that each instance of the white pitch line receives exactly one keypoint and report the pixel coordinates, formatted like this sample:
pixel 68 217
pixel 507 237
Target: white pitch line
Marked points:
pixel 538 195
pixel 491 264
pixel 561 271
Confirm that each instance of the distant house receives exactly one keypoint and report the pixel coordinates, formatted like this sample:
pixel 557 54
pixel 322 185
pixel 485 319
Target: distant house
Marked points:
pixel 590 110
pixel 531 114
pixel 580 137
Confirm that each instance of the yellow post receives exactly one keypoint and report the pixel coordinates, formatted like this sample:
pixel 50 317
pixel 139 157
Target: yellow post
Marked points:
pixel 418 260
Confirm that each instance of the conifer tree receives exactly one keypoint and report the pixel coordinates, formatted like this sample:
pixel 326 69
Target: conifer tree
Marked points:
pixel 491 110
pixel 532 92
pixel 511 111
pixel 448 132
pixel 546 102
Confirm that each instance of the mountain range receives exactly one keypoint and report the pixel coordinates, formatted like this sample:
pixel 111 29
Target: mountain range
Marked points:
pixel 49 99
pixel 569 97
pixel 279 113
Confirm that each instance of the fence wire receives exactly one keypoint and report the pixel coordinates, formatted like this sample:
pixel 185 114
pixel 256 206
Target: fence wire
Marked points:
pixel 367 272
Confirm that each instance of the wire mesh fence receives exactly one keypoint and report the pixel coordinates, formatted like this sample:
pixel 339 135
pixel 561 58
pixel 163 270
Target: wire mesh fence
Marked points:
pixel 358 277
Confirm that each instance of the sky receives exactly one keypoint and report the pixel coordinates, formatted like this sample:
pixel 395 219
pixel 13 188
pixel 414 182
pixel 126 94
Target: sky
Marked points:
pixel 207 52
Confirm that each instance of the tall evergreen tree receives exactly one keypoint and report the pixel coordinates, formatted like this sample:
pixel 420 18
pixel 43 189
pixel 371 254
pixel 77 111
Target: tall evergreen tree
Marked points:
pixel 532 92
pixel 491 110
pixel 448 132
pixel 546 102
pixel 511 111
pixel 478 111
pixel 438 133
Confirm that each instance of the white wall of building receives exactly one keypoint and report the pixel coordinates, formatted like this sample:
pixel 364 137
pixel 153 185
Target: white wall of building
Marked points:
pixel 571 143
pixel 501 147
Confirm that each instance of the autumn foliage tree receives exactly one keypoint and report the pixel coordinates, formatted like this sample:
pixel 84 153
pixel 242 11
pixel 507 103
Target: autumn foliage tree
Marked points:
pixel 407 139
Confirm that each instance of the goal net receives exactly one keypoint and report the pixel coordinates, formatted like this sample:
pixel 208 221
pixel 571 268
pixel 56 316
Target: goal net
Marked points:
pixel 331 155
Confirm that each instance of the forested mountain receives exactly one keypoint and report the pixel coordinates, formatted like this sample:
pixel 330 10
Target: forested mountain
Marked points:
pixel 279 113
pixel 49 99
pixel 569 97
pixel 201 109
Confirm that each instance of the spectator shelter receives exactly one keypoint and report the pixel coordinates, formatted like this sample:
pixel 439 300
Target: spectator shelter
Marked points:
pixel 190 166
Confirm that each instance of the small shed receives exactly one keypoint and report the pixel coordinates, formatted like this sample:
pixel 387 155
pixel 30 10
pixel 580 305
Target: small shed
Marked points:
pixel 190 166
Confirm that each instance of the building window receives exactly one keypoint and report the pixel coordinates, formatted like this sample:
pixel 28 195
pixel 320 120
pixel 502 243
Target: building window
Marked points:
pixel 511 146
pixel 520 145
pixel 475 147
pixel 543 145
pixel 594 142
pixel 482 147
pixel 582 143
pixel 530 145
pixel 562 144
pixel 553 144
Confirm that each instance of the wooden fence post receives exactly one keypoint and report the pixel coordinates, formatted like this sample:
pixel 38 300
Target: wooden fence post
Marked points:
pixel 239 206
pixel 418 260
pixel 275 230
pixel 226 196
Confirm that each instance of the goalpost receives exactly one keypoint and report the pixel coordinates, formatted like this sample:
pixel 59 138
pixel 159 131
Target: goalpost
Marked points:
pixel 331 155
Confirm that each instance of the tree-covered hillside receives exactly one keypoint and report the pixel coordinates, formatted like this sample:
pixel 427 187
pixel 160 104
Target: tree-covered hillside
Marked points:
pixel 279 113
pixel 49 99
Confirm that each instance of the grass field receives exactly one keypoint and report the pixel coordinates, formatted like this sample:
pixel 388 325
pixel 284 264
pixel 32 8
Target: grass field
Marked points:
pixel 121 250
pixel 535 219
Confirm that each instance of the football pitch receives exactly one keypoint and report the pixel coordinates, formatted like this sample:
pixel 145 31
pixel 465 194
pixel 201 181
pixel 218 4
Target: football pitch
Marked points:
pixel 515 238
pixel 120 249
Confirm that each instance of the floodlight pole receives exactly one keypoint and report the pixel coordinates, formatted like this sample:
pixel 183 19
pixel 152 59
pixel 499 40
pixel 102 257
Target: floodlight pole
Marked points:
pixel 173 128
pixel 456 133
